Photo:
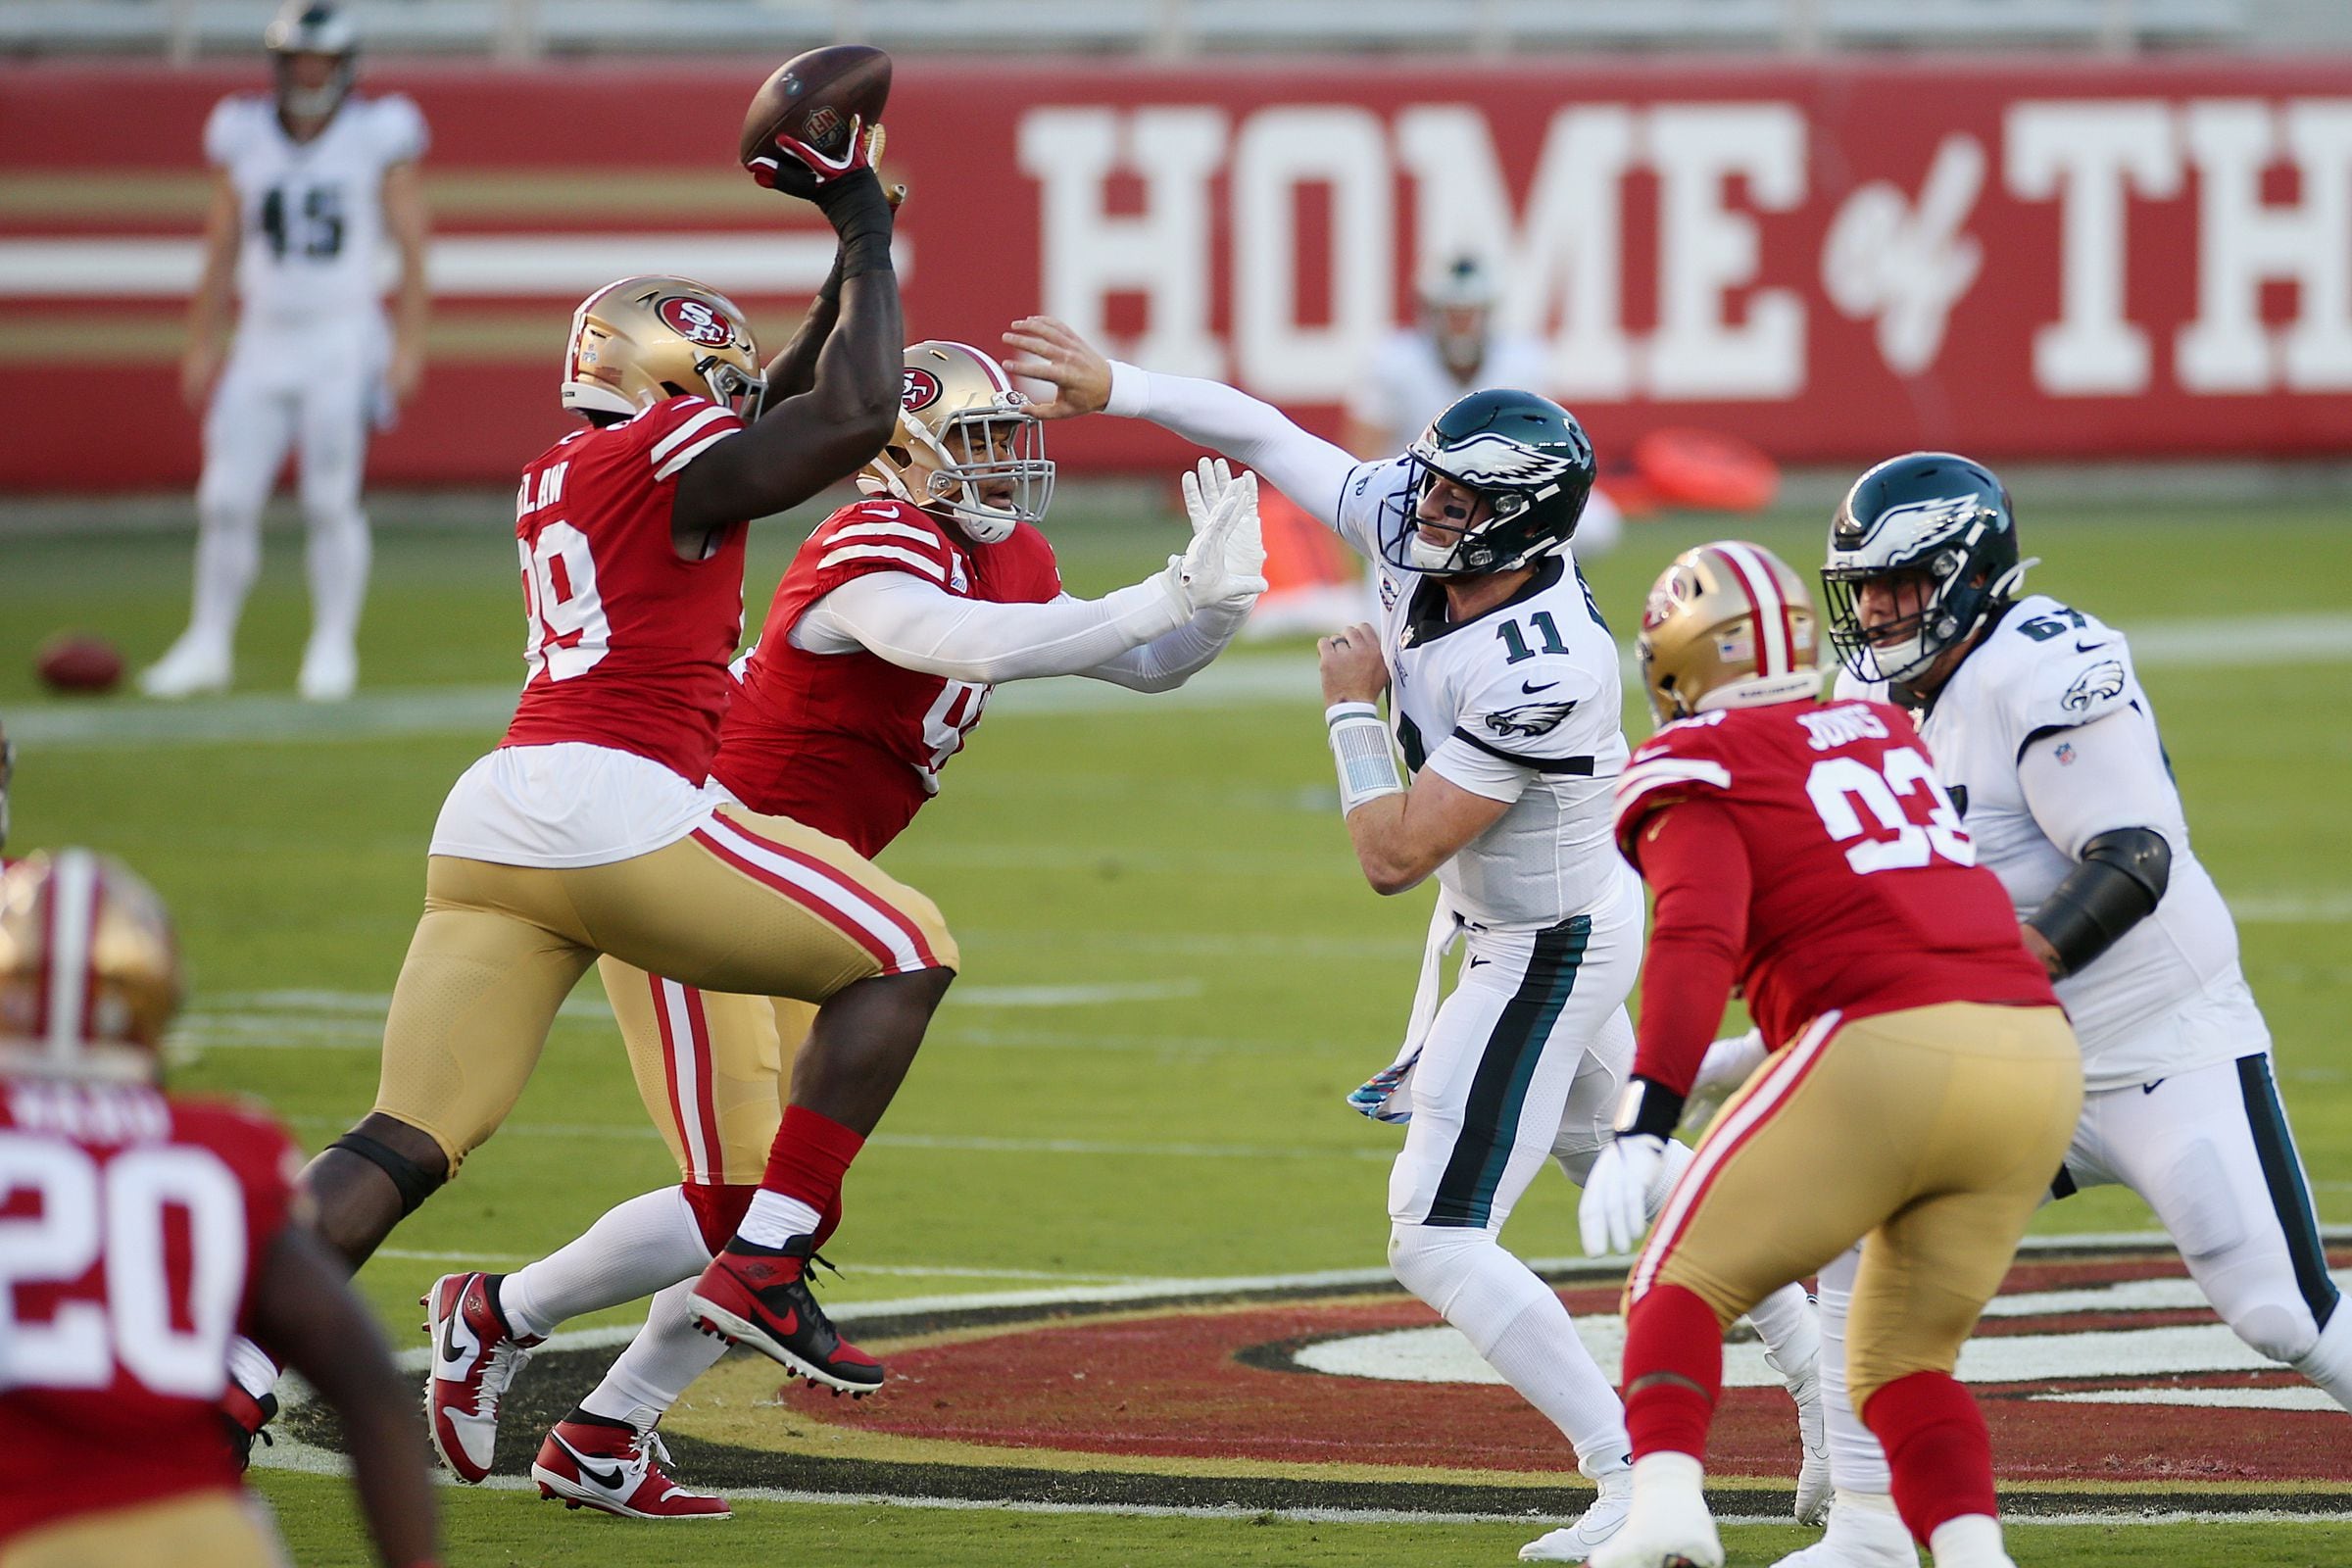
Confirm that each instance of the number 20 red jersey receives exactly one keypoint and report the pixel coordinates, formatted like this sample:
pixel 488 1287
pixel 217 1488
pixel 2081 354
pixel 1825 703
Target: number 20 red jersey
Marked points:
pixel 851 744
pixel 626 643
pixel 1866 896
pixel 131 1227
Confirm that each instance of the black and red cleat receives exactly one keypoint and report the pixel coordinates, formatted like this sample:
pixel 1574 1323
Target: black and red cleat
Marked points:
pixel 244 1418
pixel 758 1296
pixel 617 1468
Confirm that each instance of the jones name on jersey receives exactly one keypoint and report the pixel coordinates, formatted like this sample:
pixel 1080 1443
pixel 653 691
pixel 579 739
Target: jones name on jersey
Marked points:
pixel 2169 996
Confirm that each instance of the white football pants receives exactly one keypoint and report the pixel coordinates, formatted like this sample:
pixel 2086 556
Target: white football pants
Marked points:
pixel 315 389
pixel 2210 1152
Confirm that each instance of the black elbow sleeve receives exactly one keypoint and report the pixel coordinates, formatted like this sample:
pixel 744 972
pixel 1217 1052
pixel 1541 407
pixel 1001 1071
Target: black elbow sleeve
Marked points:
pixel 2122 876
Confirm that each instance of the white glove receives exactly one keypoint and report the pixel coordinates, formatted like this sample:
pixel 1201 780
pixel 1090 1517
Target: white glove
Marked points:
pixel 1220 569
pixel 1203 488
pixel 1729 1064
pixel 1615 1209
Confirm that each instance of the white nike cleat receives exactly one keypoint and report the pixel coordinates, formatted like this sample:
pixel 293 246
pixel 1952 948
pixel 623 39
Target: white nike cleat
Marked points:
pixel 1863 1533
pixel 617 1470
pixel 1574 1542
pixel 330 671
pixel 1813 1484
pixel 1669 1525
pixel 190 668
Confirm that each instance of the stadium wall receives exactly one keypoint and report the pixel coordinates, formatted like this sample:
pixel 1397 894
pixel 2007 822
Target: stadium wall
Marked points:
pixel 1834 260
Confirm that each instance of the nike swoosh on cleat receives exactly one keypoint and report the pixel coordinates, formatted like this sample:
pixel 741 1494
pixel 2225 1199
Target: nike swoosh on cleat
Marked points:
pixel 609 1480
pixel 448 1338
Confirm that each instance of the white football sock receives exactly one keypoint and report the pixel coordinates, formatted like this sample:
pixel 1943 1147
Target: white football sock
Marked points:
pixel 1857 1462
pixel 228 554
pixel 1522 1327
pixel 255 1372
pixel 667 1355
pixel 1971 1540
pixel 2328 1362
pixel 1790 1331
pixel 338 560
pixel 774 1219
pixel 633 1249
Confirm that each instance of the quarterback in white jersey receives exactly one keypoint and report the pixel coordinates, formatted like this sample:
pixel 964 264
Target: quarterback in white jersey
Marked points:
pixel 1505 701
pixel 309 185
pixel 2049 750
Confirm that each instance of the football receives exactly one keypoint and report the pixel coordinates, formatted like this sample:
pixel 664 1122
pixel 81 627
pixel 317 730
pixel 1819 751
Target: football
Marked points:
pixel 77 661
pixel 813 97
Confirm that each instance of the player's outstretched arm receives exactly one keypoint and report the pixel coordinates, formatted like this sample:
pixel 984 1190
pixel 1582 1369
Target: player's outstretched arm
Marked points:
pixel 1304 466
pixel 305 1314
pixel 809 440
pixel 793 371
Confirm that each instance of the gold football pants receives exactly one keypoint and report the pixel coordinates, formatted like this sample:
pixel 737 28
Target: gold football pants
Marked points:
pixel 1933 1131
pixel 195 1529
pixel 711 1067
pixel 749 905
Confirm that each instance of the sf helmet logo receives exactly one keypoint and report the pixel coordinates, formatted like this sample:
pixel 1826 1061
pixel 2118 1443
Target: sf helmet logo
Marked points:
pixel 919 390
pixel 696 322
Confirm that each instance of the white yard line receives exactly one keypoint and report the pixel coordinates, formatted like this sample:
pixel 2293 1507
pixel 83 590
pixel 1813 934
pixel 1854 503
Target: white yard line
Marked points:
pixel 2232 642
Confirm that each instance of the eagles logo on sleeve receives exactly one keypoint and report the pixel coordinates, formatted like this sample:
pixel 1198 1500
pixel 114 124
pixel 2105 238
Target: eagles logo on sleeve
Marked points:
pixel 2098 684
pixel 1529 719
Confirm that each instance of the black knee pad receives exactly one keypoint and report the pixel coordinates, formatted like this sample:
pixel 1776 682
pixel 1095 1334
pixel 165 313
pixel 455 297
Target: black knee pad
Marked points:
pixel 415 1183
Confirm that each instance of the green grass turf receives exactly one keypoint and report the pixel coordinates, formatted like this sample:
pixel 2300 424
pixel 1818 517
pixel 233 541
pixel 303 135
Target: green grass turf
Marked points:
pixel 1193 850
pixel 500 1528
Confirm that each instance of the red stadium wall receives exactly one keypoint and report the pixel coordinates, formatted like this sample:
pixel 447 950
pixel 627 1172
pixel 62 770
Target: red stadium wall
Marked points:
pixel 1835 260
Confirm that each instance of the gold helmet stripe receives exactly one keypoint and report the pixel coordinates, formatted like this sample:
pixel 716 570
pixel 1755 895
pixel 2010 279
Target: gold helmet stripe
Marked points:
pixel 71 921
pixel 1764 598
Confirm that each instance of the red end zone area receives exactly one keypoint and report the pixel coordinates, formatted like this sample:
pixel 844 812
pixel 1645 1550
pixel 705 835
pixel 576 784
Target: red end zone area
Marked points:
pixel 2105 1370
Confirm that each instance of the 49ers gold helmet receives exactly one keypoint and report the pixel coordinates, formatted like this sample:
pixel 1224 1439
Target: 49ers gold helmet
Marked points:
pixel 643 339
pixel 1726 626
pixel 89 969
pixel 966 435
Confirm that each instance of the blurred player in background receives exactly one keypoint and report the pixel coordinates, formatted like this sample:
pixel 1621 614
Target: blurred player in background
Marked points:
pixel 1504 698
pixel 1923 1078
pixel 896 620
pixel 1416 373
pixel 594 827
pixel 2050 753
pixel 307 184
pixel 145 1228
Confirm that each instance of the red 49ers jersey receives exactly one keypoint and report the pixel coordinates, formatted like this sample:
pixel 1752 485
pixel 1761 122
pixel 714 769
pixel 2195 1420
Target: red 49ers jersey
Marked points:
pixel 627 644
pixel 851 744
pixel 134 1223
pixel 1866 896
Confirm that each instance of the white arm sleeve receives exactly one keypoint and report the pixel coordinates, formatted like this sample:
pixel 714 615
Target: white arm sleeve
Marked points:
pixel 2092 779
pixel 1307 468
pixel 1171 659
pixel 917 625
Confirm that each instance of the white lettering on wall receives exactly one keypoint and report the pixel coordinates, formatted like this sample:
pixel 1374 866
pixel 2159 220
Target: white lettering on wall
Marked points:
pixel 1161 254
pixel 1707 250
pixel 1906 263
pixel 2090 156
pixel 1345 150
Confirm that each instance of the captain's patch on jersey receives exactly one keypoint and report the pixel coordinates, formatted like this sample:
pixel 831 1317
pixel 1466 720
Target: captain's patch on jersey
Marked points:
pixel 1529 719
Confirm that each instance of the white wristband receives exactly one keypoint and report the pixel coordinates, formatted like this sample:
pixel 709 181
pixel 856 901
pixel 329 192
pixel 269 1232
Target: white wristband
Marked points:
pixel 1359 745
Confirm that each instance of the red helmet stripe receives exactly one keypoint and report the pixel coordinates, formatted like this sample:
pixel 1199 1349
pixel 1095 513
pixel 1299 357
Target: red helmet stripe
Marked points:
pixel 996 373
pixel 1771 611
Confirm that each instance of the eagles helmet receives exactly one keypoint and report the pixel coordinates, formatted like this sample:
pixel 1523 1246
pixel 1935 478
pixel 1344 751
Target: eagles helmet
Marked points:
pixel 311 28
pixel 1524 455
pixel 1935 516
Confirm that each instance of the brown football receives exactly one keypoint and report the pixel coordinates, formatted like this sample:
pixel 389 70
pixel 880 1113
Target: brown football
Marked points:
pixel 812 98
pixel 77 661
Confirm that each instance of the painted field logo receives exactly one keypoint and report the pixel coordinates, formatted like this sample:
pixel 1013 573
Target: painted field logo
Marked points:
pixel 696 322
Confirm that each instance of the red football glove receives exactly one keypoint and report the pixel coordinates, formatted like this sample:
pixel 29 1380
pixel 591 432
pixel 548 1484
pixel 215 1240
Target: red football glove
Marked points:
pixel 797 169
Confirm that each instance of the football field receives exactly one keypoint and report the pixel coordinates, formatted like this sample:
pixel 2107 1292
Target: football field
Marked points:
pixel 1130 1108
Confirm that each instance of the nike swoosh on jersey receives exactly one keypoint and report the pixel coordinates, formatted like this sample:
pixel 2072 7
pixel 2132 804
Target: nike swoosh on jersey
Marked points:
pixel 609 1480
pixel 2082 647
pixel 1529 689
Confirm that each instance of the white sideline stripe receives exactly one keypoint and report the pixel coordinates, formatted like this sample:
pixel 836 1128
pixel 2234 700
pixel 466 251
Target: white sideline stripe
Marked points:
pixel 1231 683
pixel 2304 1398
pixel 476 266
pixel 1073 995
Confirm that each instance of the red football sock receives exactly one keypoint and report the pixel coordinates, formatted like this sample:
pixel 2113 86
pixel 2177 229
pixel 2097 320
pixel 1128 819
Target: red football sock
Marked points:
pixel 1669 1331
pixel 810 1156
pixel 717 1210
pixel 1936 1448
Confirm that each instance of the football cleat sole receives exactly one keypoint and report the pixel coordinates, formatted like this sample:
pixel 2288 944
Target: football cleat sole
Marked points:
pixel 555 1488
pixel 723 1324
